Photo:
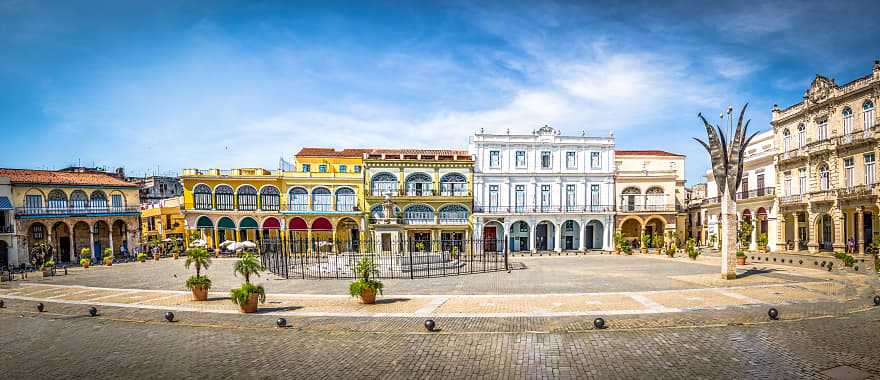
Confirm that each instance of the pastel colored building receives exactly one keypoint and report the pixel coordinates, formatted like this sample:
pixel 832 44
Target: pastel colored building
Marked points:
pixel 71 210
pixel 650 193
pixel 162 220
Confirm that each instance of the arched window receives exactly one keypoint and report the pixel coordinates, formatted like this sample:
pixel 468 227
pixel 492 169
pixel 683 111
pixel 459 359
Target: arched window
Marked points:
pixel 57 200
pixel 847 121
pixel 453 185
pixel 202 197
pixel 630 200
pixel 321 199
pixel 378 212
pixel 299 199
pixel 786 140
pixel 270 199
pixel 453 214
pixel 383 184
pixel 868 108
pixel 824 177
pixel 247 198
pixel 419 185
pixel 98 200
pixel 802 136
pixel 655 199
pixel 223 198
pixel 418 214
pixel 345 199
pixel 78 200
pixel 822 131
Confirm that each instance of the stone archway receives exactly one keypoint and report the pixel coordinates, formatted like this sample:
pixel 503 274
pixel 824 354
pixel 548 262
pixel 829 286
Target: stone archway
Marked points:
pixel 571 235
pixel 594 235
pixel 348 235
pixel 825 232
pixel 545 236
pixel 82 237
pixel 631 229
pixel 655 226
pixel 63 242
pixel 493 237
pixel 119 231
pixel 102 239
pixel 519 236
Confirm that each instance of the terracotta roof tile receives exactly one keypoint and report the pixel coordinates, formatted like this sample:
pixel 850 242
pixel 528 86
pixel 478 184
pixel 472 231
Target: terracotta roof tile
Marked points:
pixel 331 152
pixel 51 177
pixel 646 153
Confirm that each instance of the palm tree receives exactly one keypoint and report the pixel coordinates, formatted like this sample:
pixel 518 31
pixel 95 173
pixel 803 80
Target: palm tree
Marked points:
pixel 199 257
pixel 248 265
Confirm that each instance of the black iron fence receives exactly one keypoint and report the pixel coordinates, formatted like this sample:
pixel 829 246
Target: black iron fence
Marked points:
pixel 408 258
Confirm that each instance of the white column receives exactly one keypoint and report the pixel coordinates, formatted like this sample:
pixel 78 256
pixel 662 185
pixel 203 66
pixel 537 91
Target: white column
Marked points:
pixel 92 241
pixel 532 245
pixel 582 231
pixel 753 245
pixel 111 241
pixel 557 245
pixel 608 241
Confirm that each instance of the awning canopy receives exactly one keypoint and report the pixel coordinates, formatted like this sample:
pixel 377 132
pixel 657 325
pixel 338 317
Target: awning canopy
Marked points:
pixel 248 223
pixel 5 204
pixel 204 222
pixel 226 223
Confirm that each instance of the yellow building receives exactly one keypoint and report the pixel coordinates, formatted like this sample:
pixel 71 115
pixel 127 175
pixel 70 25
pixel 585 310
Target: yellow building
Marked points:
pixel 429 191
pixel 650 193
pixel 237 204
pixel 163 221
pixel 323 201
pixel 70 210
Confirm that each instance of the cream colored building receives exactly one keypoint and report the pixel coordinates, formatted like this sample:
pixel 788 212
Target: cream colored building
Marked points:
pixel 650 193
pixel 755 197
pixel 827 183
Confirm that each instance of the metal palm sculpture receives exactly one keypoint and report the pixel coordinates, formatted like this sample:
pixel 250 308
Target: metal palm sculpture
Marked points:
pixel 727 168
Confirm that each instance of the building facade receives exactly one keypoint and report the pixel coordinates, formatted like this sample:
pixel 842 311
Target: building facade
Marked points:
pixel 544 191
pixel 163 221
pixel 8 241
pixel 428 190
pixel 71 210
pixel 827 184
pixel 650 193
pixel 155 188
pixel 695 199
pixel 755 196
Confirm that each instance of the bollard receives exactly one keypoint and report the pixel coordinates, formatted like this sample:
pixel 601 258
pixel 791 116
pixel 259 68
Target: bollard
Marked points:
pixel 169 316
pixel 281 322
pixel 430 325
pixel 599 323
pixel 773 313
pixel 876 301
pixel 40 307
pixel 93 311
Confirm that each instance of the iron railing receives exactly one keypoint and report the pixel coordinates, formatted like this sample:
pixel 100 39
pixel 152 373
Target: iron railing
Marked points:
pixel 542 208
pixel 792 199
pixel 756 193
pixel 415 192
pixel 408 258
pixel 647 208
pixel 7 229
pixel 76 210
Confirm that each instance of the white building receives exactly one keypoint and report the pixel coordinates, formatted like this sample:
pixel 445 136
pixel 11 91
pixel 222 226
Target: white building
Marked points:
pixel 755 197
pixel 543 191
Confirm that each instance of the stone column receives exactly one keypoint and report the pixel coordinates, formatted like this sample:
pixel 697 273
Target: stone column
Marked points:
pixel 216 239
pixel 837 221
pixel 753 244
pixel 812 232
pixel 533 247
pixel 92 242
pixel 309 240
pixel 781 228
pixel 582 232
pixel 859 229
pixel 111 242
pixel 728 235
pixel 557 245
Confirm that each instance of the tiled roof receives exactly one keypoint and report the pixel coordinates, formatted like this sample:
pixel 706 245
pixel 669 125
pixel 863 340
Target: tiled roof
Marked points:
pixel 50 177
pixel 440 152
pixel 646 153
pixel 330 152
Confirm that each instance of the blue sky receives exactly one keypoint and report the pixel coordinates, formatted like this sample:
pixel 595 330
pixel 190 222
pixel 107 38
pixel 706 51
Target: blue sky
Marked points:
pixel 168 85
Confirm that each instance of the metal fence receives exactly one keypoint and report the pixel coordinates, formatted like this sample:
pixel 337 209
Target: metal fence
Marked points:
pixel 329 259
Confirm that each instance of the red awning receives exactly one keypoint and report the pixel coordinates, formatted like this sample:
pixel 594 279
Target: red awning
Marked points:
pixel 271 223
pixel 297 224
pixel 321 224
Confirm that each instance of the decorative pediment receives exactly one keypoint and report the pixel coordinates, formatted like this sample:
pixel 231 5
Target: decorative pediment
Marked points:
pixel 820 89
pixel 546 131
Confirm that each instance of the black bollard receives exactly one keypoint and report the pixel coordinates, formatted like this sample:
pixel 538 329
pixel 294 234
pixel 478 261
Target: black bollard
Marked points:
pixel 599 323
pixel 876 301
pixel 430 325
pixel 773 313
pixel 40 307
pixel 2 304
pixel 281 322
pixel 93 311
pixel 169 316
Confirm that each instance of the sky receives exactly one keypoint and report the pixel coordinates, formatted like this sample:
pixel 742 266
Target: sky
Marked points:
pixel 156 87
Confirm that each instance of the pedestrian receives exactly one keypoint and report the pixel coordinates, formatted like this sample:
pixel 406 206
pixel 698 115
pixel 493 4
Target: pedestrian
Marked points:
pixel 850 246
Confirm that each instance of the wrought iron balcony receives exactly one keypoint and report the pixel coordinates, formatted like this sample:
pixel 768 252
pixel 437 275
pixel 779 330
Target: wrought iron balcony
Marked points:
pixel 756 193
pixel 647 208
pixel 75 211
pixel 7 229
pixel 792 199
pixel 414 192
pixel 532 209
pixel 855 139
pixel 855 192
pixel 793 155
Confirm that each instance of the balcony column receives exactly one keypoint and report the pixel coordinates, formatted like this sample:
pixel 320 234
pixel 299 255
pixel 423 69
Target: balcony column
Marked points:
pixel 812 233
pixel 309 240
pixel 557 245
pixel 582 232
pixel 92 241
pixel 753 244
pixel 837 221
pixel 111 241
pixel 216 239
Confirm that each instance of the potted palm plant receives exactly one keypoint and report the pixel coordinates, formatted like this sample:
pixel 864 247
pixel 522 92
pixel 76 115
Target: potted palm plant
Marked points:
pixel 625 247
pixel 198 284
pixel 762 243
pixel 248 295
pixel 365 287
pixel 658 243
pixel 141 257
pixel 108 256
pixel 47 267
pixel 85 257
pixel 670 249
pixel 618 242
pixel 646 241
pixel 691 248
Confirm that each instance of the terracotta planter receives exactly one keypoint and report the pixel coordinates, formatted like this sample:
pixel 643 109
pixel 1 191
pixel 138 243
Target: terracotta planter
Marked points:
pixel 368 297
pixel 47 272
pixel 644 250
pixel 201 294
pixel 108 263
pixel 740 260
pixel 156 257
pixel 251 305
pixel 176 256
pixel 86 265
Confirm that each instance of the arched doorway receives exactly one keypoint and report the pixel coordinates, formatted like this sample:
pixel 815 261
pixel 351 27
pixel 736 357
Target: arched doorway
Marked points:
pixel 102 239
pixel 225 229
pixel 493 237
pixel 519 237
pixel 271 229
pixel 119 231
pixel 206 230
pixel 248 229
pixel 63 243
pixel 825 228
pixel 594 234
pixel 631 229
pixel 348 235
pixel 298 232
pixel 322 235
pixel 81 237
pixel 655 226
pixel 544 236
pixel 762 222
pixel 571 232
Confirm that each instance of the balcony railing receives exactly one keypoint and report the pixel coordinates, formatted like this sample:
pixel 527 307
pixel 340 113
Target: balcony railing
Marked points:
pixel 414 192
pixel 756 193
pixel 285 207
pixel 76 210
pixel 647 208
pixel 855 138
pixel 857 191
pixel 791 199
pixel 542 209
pixel 793 154
pixel 823 195
pixel 7 229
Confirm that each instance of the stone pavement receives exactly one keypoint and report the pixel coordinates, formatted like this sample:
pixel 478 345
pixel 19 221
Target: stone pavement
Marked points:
pixel 59 345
